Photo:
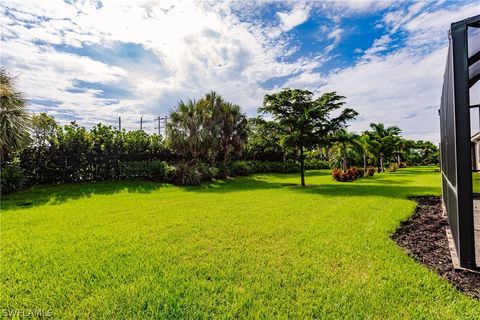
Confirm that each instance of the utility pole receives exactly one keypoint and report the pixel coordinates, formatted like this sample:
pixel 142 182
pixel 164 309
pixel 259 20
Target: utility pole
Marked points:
pixel 166 121
pixel 119 123
pixel 159 125
pixel 141 123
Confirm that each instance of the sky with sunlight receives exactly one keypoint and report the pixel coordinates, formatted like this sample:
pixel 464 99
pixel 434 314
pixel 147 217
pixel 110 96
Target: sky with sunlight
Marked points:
pixel 94 60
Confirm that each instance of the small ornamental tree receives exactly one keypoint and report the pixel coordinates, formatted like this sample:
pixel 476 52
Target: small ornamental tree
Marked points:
pixel 306 121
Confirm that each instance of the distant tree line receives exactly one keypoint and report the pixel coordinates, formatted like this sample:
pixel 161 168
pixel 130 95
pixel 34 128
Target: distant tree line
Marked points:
pixel 206 139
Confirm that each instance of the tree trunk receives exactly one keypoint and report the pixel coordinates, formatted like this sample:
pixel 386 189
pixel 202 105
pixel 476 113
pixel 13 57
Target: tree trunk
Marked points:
pixel 344 165
pixel 399 159
pixel 302 167
pixel 364 162
pixel 381 163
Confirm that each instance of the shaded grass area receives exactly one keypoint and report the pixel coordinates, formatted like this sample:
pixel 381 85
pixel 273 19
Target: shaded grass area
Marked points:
pixel 251 247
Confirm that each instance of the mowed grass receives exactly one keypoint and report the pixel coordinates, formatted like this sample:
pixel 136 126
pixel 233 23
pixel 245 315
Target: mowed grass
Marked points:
pixel 252 247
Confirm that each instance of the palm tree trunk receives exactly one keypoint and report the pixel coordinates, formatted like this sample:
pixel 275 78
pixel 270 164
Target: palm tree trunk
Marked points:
pixel 344 165
pixel 302 167
pixel 381 163
pixel 364 162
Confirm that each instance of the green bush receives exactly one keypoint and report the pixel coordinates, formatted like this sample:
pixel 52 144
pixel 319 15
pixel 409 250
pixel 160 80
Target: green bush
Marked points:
pixel 316 164
pixel 184 174
pixel 148 169
pixel 12 178
pixel 223 172
pixel 242 168
pixel 206 172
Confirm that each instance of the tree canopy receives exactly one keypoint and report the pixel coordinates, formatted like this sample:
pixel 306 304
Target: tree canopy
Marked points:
pixel 305 121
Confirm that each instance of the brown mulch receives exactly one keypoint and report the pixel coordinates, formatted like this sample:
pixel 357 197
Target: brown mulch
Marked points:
pixel 424 237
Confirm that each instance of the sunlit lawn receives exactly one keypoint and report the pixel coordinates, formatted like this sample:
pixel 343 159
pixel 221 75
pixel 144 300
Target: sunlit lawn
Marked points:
pixel 254 247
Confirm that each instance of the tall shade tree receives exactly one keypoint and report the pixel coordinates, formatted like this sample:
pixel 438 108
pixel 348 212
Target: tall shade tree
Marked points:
pixel 306 121
pixel 14 119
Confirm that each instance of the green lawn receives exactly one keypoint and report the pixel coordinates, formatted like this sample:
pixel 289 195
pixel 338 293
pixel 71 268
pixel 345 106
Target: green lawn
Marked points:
pixel 253 247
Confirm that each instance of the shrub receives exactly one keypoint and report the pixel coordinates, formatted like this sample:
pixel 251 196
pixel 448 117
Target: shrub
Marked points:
pixel 370 171
pixel 316 164
pixel 149 169
pixel 341 176
pixel 403 164
pixel 337 174
pixel 393 167
pixel 184 174
pixel 361 173
pixel 206 172
pixel 12 178
pixel 351 174
pixel 223 172
pixel 242 168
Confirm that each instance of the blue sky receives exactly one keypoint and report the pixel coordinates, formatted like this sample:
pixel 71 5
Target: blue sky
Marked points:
pixel 92 61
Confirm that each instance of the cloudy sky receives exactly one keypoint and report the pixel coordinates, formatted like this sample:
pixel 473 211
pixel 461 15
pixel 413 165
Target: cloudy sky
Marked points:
pixel 92 61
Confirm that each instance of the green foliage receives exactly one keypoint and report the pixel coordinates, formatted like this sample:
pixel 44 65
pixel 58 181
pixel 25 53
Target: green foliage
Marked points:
pixel 43 129
pixel 12 178
pixel 75 154
pixel 147 169
pixel 421 153
pixel 207 173
pixel 14 119
pixel 386 140
pixel 210 130
pixel 316 164
pixel 306 121
pixel 242 168
pixel 184 174
pixel 266 141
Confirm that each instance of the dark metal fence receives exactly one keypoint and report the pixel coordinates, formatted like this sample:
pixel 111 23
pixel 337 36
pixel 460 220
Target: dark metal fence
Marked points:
pixel 456 162
pixel 57 167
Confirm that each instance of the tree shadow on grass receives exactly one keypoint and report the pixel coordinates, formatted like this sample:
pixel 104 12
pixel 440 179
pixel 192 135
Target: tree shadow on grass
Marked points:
pixel 58 194
pixel 365 190
pixel 382 188
pixel 379 185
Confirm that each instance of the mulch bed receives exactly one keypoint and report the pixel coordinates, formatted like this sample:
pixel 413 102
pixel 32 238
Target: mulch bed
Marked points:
pixel 424 237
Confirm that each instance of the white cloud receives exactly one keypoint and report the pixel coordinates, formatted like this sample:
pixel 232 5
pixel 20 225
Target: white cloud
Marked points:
pixel 379 45
pixel 199 48
pixel 401 87
pixel 204 46
pixel 295 17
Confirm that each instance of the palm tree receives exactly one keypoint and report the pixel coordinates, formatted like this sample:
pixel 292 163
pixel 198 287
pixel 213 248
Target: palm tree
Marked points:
pixel 14 119
pixel 344 139
pixel 185 128
pixel 209 129
pixel 228 126
pixel 385 137
pixel 366 145
pixel 400 145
